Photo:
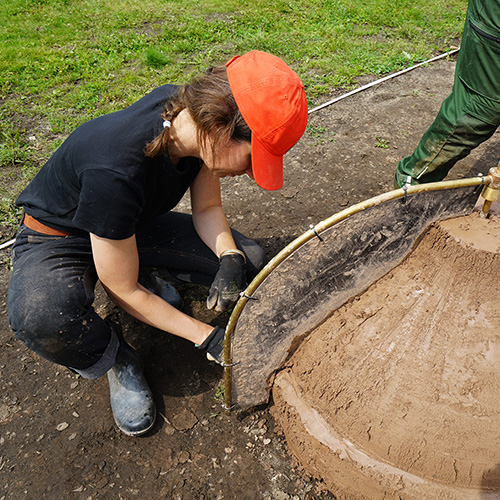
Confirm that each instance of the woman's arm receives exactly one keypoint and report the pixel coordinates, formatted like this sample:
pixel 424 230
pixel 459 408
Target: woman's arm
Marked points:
pixel 211 225
pixel 208 217
pixel 117 265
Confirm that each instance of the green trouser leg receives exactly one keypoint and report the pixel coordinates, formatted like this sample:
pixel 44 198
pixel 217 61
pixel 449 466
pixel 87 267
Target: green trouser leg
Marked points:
pixel 454 133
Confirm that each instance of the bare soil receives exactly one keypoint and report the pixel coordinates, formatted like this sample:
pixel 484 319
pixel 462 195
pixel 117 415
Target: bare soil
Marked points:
pixel 57 435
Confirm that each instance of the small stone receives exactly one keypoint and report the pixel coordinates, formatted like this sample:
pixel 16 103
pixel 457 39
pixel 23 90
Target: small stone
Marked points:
pixel 72 436
pixel 169 430
pixel 62 426
pixel 74 385
pixel 280 495
pixel 168 461
pixel 184 420
pixel 4 412
pixel 75 414
pixel 266 441
pixel 101 483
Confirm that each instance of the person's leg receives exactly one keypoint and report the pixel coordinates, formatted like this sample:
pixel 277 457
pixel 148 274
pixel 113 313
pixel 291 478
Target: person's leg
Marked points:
pixel 50 309
pixel 171 242
pixel 50 303
pixel 454 133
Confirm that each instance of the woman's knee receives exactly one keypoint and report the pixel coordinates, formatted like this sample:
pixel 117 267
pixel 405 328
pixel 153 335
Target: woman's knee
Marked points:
pixel 256 258
pixel 57 325
pixel 76 342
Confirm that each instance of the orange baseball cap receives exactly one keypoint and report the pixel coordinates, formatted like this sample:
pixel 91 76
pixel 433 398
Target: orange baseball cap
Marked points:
pixel 272 101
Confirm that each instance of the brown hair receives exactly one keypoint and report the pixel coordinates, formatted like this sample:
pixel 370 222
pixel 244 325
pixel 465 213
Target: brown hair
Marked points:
pixel 211 104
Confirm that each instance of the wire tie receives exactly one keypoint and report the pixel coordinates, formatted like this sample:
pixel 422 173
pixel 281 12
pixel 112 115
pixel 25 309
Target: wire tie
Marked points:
pixel 313 229
pixel 405 188
pixel 480 186
pixel 230 365
pixel 248 297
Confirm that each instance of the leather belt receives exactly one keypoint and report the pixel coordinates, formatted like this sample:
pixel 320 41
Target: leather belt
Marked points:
pixel 37 226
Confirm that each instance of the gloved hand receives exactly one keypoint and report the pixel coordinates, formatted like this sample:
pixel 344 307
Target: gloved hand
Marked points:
pixel 228 283
pixel 214 345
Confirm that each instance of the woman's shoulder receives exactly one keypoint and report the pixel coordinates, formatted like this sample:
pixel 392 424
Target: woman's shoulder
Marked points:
pixel 156 96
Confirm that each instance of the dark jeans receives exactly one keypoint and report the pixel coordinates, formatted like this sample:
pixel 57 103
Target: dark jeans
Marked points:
pixel 51 290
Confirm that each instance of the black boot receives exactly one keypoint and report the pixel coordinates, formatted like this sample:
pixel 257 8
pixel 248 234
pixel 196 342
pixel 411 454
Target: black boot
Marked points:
pixel 160 287
pixel 132 403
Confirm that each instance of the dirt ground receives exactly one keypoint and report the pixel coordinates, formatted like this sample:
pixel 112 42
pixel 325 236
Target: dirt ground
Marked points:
pixel 57 435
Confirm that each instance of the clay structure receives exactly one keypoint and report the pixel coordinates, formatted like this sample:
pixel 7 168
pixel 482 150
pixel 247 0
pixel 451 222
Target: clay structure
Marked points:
pixel 397 393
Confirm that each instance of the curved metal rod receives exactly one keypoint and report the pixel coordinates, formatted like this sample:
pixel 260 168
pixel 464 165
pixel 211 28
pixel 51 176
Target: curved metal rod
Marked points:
pixel 314 232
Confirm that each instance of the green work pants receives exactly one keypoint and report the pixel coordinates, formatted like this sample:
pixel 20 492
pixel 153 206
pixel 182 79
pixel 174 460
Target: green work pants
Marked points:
pixel 468 116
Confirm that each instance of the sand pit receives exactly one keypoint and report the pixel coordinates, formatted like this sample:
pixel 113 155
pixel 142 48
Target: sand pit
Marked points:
pixel 397 394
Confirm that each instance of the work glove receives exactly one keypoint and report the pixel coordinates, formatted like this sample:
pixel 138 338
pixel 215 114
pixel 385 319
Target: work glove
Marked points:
pixel 229 282
pixel 214 345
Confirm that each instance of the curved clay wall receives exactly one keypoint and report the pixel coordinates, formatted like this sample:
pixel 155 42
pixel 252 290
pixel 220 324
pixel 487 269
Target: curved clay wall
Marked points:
pixel 397 393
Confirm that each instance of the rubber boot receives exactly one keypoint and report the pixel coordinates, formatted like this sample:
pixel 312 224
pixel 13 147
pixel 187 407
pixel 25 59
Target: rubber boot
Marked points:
pixel 160 287
pixel 132 403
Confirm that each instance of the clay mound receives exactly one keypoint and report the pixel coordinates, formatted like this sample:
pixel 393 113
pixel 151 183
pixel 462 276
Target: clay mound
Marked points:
pixel 397 394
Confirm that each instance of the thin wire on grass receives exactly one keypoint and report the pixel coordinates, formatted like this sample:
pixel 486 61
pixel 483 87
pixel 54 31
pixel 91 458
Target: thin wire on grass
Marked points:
pixel 380 80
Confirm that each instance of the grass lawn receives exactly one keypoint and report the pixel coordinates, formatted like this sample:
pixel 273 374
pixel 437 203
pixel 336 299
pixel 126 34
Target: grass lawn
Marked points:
pixel 63 62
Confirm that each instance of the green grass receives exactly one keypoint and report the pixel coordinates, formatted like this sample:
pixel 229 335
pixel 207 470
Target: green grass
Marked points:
pixel 63 62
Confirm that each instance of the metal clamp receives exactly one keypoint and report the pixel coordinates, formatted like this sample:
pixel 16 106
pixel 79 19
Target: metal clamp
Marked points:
pixel 248 297
pixel 313 229
pixel 405 188
pixel 491 192
pixel 479 188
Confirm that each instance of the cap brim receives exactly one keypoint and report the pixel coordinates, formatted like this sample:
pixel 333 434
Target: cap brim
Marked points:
pixel 267 168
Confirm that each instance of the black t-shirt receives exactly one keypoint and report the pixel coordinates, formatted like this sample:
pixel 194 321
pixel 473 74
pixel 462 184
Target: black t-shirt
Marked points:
pixel 99 180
